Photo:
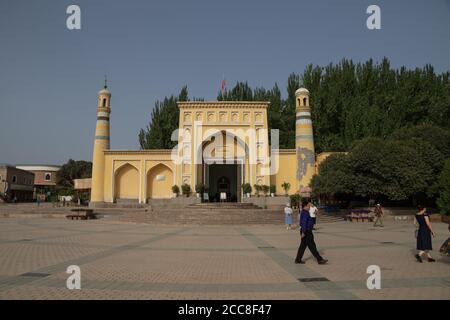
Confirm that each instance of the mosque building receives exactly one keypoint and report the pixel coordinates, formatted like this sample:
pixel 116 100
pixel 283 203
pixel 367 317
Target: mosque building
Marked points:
pixel 221 144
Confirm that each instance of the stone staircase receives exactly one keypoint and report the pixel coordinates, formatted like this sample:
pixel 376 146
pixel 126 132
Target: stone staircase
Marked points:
pixel 223 206
pixel 32 210
pixel 211 214
pixel 193 214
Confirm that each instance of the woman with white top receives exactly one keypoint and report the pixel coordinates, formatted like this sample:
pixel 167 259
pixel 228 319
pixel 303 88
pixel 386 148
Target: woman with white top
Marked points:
pixel 288 216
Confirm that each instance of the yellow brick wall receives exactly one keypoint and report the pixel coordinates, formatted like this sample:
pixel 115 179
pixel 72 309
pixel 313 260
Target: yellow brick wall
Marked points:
pixel 286 172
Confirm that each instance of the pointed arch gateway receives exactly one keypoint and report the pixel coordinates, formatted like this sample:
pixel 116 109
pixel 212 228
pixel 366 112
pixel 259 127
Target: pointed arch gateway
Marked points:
pixel 224 156
pixel 159 182
pixel 126 183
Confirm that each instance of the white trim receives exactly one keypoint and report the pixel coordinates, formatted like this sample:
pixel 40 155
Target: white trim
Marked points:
pixel 140 182
pixel 113 182
pixel 303 121
pixel 145 182
pixel 39 168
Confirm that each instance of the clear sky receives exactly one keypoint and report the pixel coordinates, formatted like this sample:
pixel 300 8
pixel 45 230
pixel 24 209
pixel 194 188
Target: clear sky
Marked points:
pixel 49 76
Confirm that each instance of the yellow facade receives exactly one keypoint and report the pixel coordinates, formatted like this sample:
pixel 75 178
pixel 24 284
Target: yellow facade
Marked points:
pixel 220 144
pixel 223 132
pixel 287 160
pixel 134 175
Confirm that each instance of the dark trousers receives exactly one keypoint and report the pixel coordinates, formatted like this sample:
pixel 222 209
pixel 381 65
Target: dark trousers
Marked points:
pixel 308 241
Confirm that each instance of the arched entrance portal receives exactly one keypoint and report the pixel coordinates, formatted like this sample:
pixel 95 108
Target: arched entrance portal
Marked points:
pixel 159 182
pixel 224 156
pixel 224 185
pixel 126 183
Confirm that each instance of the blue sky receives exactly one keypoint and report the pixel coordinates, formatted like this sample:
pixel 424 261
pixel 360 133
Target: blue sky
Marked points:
pixel 49 76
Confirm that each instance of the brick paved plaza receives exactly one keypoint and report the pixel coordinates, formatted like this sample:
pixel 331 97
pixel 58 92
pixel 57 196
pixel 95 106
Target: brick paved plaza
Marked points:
pixel 141 261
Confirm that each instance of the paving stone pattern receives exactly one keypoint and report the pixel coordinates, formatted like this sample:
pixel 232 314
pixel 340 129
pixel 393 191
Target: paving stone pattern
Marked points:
pixel 120 260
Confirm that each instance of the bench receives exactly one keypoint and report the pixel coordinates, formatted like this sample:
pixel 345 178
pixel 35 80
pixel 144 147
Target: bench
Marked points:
pixel 359 215
pixel 82 214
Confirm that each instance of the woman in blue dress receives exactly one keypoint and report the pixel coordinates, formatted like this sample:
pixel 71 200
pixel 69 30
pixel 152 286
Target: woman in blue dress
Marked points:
pixel 424 234
pixel 288 216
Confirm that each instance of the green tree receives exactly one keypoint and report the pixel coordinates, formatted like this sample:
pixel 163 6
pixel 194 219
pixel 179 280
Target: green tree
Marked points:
pixel 286 186
pixel 374 167
pixel 355 101
pixel 443 201
pixel 164 121
pixel 349 102
pixel 73 170
pixel 240 92
pixel 431 134
pixel 335 178
pixel 389 168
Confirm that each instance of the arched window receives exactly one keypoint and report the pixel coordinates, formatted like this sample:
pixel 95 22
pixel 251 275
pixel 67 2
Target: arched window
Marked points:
pixel 48 177
pixel 14 179
pixel 104 102
pixel 304 101
pixel 299 103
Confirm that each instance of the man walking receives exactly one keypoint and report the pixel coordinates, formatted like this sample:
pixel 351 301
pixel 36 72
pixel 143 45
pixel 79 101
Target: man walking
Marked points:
pixel 306 232
pixel 378 215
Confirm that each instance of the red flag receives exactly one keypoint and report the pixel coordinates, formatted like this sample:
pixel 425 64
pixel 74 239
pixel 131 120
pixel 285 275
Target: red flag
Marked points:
pixel 223 87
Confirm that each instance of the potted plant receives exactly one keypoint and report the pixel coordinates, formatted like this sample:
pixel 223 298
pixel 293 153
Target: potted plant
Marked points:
pixel 247 189
pixel 205 194
pixel 272 190
pixel 258 189
pixel 200 189
pixel 286 186
pixel 175 190
pixel 295 200
pixel 265 188
pixel 186 189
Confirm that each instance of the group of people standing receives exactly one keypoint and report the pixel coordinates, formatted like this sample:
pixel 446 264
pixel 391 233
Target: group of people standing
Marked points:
pixel 423 233
pixel 288 212
pixel 307 218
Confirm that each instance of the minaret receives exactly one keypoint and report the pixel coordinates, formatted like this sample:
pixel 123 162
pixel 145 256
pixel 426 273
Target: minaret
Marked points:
pixel 304 140
pixel 101 143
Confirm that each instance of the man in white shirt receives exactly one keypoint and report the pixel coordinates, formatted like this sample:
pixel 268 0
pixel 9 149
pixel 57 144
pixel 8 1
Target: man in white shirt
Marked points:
pixel 313 213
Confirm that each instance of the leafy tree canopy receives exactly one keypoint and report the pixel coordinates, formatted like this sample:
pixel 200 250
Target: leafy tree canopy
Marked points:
pixel 73 170
pixel 164 121
pixel 349 102
pixel 443 201
pixel 396 169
